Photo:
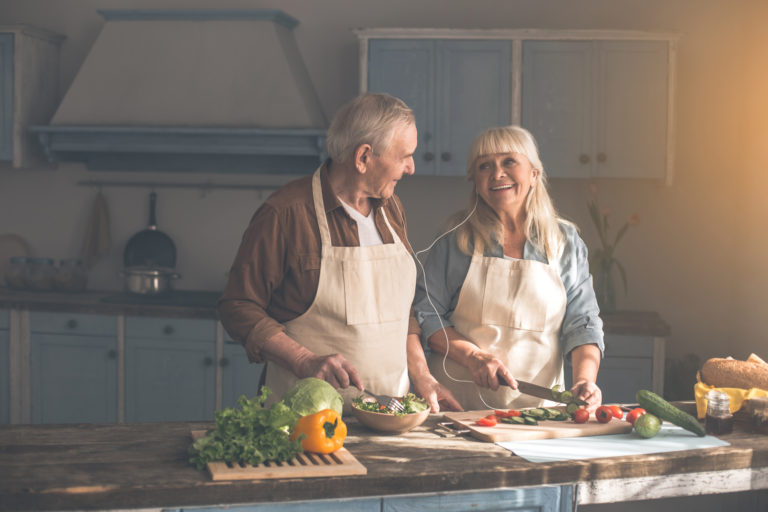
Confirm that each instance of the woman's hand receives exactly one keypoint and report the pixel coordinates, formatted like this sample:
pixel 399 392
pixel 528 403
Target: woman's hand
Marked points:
pixel 589 392
pixel 438 397
pixel 488 371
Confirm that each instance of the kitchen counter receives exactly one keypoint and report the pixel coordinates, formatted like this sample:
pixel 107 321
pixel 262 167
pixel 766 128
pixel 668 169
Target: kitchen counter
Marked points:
pixel 202 304
pixel 143 465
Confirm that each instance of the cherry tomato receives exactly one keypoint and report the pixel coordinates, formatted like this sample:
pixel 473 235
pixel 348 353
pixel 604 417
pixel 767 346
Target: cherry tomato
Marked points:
pixel 506 414
pixel 616 411
pixel 634 414
pixel 580 416
pixel 488 421
pixel 603 414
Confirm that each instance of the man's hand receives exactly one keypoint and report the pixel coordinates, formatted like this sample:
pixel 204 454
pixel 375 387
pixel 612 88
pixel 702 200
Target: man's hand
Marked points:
pixel 438 397
pixel 333 368
pixel 589 392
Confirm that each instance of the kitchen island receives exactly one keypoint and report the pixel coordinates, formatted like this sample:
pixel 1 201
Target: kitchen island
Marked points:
pixel 144 466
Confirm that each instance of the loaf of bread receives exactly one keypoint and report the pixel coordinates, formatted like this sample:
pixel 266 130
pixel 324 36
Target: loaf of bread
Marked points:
pixel 731 373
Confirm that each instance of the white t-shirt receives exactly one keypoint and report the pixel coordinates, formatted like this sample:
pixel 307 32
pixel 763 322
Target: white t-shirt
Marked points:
pixel 366 228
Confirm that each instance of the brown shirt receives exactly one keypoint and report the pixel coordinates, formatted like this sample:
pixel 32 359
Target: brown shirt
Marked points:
pixel 277 268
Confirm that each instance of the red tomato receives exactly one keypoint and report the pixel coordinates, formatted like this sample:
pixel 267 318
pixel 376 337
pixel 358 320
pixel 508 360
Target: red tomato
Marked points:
pixel 488 421
pixel 506 414
pixel 616 411
pixel 580 416
pixel 603 414
pixel 634 414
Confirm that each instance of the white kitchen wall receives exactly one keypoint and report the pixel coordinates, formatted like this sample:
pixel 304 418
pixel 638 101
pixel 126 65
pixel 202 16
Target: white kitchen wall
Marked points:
pixel 683 259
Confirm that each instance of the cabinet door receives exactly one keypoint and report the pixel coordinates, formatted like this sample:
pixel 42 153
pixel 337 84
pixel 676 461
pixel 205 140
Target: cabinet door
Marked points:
pixel 405 68
pixel 597 108
pixel 6 97
pixel 170 371
pixel 238 376
pixel 626 367
pixel 473 91
pixel 556 105
pixel 538 499
pixel 632 132
pixel 5 369
pixel 73 378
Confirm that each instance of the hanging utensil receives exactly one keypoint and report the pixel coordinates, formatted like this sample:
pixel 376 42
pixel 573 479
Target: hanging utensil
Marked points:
pixel 150 248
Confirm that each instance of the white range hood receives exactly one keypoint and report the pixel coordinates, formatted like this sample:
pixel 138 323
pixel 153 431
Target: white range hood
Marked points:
pixel 218 90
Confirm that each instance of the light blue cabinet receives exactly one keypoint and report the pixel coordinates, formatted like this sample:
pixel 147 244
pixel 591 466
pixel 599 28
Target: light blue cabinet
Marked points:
pixel 73 368
pixel 5 393
pixel 628 365
pixel 598 108
pixel 170 369
pixel 238 376
pixel 456 89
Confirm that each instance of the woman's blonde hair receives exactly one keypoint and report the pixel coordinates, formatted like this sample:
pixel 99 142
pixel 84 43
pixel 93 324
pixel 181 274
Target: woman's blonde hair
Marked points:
pixel 542 223
pixel 370 118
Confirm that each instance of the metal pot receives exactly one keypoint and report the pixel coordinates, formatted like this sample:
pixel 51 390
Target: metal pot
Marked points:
pixel 148 280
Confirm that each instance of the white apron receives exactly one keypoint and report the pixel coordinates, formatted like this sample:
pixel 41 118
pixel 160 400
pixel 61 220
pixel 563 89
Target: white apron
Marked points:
pixel 513 309
pixel 361 311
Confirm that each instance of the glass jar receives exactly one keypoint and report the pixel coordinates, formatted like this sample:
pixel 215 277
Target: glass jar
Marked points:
pixel 40 274
pixel 71 275
pixel 15 274
pixel 719 419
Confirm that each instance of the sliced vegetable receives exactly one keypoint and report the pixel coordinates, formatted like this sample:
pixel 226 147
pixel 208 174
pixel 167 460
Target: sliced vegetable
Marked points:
pixel 616 411
pixel 530 420
pixel 571 407
pixel 322 432
pixel 513 420
pixel 603 414
pixel 488 421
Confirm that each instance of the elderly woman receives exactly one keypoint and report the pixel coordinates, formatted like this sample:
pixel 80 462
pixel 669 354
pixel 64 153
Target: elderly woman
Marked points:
pixel 507 291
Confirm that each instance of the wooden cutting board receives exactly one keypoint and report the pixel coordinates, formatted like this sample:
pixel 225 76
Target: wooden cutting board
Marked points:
pixel 304 465
pixel 546 429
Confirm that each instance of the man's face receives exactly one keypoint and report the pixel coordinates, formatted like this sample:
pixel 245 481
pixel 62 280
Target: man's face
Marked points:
pixel 385 170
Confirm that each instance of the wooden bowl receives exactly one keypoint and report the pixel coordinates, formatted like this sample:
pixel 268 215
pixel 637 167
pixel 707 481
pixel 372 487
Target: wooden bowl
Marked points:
pixel 390 423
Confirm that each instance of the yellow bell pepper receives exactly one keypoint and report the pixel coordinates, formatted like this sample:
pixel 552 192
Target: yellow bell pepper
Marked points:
pixel 324 432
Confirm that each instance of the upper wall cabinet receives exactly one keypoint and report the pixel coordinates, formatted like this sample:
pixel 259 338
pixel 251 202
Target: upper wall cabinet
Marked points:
pixel 600 103
pixel 456 88
pixel 598 108
pixel 29 83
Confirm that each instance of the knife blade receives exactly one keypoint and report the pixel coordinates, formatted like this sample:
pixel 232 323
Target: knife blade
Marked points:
pixel 532 389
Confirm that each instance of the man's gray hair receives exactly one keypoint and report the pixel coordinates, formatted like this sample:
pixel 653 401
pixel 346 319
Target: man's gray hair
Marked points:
pixel 370 118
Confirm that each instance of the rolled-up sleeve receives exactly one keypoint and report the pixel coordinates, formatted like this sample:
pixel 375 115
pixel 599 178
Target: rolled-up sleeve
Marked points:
pixel 582 324
pixel 257 270
pixel 445 270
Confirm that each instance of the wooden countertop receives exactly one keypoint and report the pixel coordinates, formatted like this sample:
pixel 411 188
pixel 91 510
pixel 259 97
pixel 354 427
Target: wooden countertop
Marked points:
pixel 88 467
pixel 202 304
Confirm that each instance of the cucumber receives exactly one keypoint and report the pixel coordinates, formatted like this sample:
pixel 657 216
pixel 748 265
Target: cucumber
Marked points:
pixel 655 404
pixel 529 420
pixel 513 420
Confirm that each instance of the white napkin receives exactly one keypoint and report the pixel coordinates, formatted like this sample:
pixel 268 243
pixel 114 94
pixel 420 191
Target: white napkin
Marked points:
pixel 670 438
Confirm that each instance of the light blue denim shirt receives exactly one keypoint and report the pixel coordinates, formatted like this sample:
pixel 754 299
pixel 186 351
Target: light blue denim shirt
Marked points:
pixel 446 268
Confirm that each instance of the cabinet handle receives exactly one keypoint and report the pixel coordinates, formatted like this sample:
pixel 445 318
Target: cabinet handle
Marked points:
pixel 223 362
pixel 601 158
pixel 112 354
pixel 72 323
pixel 583 159
pixel 445 156
pixel 208 361
pixel 428 156
pixel 168 329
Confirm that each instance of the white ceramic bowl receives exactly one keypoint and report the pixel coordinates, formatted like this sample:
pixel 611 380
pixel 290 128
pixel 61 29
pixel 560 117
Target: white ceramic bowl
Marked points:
pixel 390 423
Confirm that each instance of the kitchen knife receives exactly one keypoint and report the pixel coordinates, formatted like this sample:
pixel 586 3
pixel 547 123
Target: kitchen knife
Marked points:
pixel 529 388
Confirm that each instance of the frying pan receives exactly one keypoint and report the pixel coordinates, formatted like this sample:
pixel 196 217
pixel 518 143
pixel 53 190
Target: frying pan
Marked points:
pixel 150 247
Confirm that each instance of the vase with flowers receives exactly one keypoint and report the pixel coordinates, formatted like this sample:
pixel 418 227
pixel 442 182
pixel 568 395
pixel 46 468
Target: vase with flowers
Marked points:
pixel 603 261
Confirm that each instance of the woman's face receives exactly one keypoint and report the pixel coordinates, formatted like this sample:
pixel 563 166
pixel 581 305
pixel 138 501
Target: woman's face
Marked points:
pixel 503 181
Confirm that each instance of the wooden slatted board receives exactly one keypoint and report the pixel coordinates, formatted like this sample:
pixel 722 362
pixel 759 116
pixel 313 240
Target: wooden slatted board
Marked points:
pixel 304 465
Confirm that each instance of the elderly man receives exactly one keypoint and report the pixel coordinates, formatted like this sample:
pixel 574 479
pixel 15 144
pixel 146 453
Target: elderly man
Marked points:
pixel 324 278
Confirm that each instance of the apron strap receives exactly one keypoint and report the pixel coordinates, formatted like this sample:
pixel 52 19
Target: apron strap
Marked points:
pixel 322 220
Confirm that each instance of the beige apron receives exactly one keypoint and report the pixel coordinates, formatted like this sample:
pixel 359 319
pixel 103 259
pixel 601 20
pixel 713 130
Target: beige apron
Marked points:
pixel 360 311
pixel 513 309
